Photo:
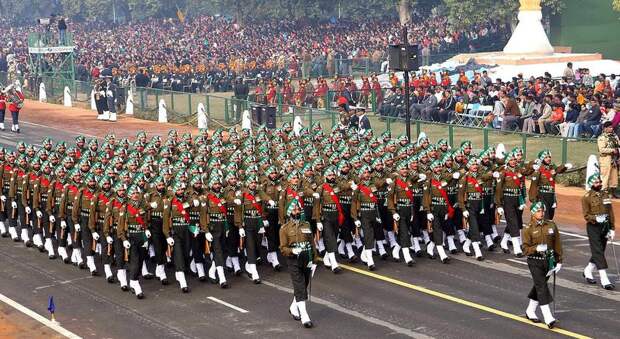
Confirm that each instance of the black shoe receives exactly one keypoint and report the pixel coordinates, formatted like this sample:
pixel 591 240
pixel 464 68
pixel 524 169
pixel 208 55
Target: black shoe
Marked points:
pixel 588 280
pixel 453 251
pixel 419 254
pixel 519 255
pixel 41 249
pixel 411 263
pixel 94 273
pixel 17 239
pixel 124 288
pixel 506 251
pixel 185 290
pixel 51 257
pixel 342 256
pixel 295 317
pixel 371 267
pixel 480 258
pixel 148 276
pixel 469 254
pixel 322 253
pixel 29 243
pixel 609 287
pixel 445 261
pixel 491 248
pixel 203 278
pixel 237 273
pixel 111 280
pixel 212 280
pixel 353 259
pixel 497 239
pixel 534 320
pixel 256 282
pixel 140 296
pixel 66 260
pixel 164 282
pixel 308 324
pixel 224 285
pixel 431 256
pixel 277 268
pixel 337 270
pixel 5 235
pixel 81 266
pixel 384 256
pixel 552 324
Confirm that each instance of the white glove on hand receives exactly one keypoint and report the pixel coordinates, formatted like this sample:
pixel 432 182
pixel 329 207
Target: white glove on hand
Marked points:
pixel 95 236
pixel 353 186
pixel 109 240
pixel 52 219
pixel 209 236
pixel 242 233
pixel 600 218
pixel 271 203
pixel 316 195
pixel 466 214
pixel 237 202
pixel 126 244
pixel 541 248
pixel 296 250
pixel 153 205
pixel 312 270
pixel 611 234
pixel 3 198
pixel 389 181
pixel 396 217
pixel 265 223
pixel 319 226
pixel 261 230
pixel 557 268
pixel 39 214
pixel 148 234
pixel 357 223
pixel 377 219
pixel 185 205
pixel 77 227
pixel 13 204
pixel 63 224
pixel 456 175
pixel 196 203
pixel 421 177
pixel 521 207
pixel 170 241
pixel 496 175
pixel 568 166
pixel 536 167
pixel 430 217
pixel 28 210
pixel 500 210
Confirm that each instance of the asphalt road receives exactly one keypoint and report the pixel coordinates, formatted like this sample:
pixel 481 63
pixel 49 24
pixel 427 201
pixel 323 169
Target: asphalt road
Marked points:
pixel 465 299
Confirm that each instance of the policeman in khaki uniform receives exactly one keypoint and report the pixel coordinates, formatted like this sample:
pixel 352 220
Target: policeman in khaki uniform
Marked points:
pixel 599 216
pixel 542 187
pixel 130 231
pixel 297 245
pixel 609 157
pixel 542 246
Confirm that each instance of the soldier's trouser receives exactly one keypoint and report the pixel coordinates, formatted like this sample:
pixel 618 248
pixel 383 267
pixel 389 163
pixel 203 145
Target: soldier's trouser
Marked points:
pixel 4 210
pixel 475 219
pixel 488 218
pixel 158 240
pixel 119 253
pixel 300 276
pixel 439 223
pixel 548 199
pixel 180 234
pixel 42 225
pixel 108 251
pixel 609 174
pixel 231 240
pixel 513 215
pixel 273 231
pixel 87 237
pixel 219 239
pixel 385 224
pixel 99 106
pixel 347 226
pixel 597 237
pixel 198 247
pixel 63 233
pixel 368 220
pixel 252 238
pixel 404 225
pixel 419 218
pixel 540 290
pixel 454 223
pixel 76 237
pixel 24 218
pixel 137 253
pixel 330 229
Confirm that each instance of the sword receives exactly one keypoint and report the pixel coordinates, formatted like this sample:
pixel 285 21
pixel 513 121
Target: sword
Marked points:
pixel 554 302
pixel 613 248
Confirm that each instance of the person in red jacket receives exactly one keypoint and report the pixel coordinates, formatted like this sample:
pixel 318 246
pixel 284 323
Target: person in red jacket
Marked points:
pixel 15 100
pixel 2 107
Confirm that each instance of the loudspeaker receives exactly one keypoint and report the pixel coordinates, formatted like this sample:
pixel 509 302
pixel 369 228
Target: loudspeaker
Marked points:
pixel 257 114
pixel 269 117
pixel 403 58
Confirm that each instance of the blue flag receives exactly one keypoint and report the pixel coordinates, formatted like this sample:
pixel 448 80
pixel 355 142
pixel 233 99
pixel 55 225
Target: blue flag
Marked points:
pixel 50 306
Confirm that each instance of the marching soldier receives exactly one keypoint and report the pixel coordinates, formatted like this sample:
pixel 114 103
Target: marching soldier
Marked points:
pixel 83 214
pixel 114 245
pixel 216 226
pixel 40 201
pixel 22 217
pixel 364 211
pixel 329 217
pixel 155 209
pixel 197 239
pixel 54 209
pixel 438 208
pixel 99 210
pixel 271 188
pixel 231 194
pixel 542 246
pixel 609 158
pixel 67 219
pixel 542 186
pixel 294 190
pixel 471 201
pixel 297 245
pixel 130 231
pixel 176 230
pixel 400 201
pixel 345 194
pixel 253 218
pixel 509 200
pixel 600 225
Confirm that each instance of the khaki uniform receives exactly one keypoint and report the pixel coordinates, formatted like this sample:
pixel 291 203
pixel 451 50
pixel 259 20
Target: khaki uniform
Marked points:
pixel 298 234
pixel 608 147
pixel 131 227
pixel 542 187
pixel 598 204
pixel 539 263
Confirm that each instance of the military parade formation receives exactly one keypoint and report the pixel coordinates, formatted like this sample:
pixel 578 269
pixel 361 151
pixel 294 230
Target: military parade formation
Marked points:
pixel 223 203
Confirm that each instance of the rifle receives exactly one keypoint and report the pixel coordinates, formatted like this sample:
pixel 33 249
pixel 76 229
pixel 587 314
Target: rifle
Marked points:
pixel 207 247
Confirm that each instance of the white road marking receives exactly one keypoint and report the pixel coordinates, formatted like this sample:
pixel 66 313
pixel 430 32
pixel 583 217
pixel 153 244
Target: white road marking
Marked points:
pixel 517 261
pixel 239 309
pixel 36 316
pixel 585 237
pixel 61 283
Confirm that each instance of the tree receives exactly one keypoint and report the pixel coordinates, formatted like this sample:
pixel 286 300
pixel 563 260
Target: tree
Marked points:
pixel 616 5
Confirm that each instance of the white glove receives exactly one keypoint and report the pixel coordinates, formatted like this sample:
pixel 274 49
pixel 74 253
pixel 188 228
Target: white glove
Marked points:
pixel 421 177
pixel 319 226
pixel 389 181
pixel 242 233
pixel 153 204
pixel 126 244
pixel 600 218
pixel 536 167
pixel 377 219
pixel 148 234
pixel 271 203
pixel 495 174
pixel 353 186
pixel 395 216
pixel 466 214
pixel 265 223
pixel 430 216
pixel 209 236
pixel 500 210
pixel 557 268
pixel 63 224
pixel 196 203
pixel 444 184
pixel 77 227
pixel 52 219
pixel 3 198
pixel 568 166
pixel 312 270
pixel 296 250
pixel 39 214
pixel 185 205
pixel 13 204
pixel 541 248
pixel 611 234
pixel 170 241
pixel 237 202
pixel 95 236
pixel 109 239
pixel 316 195
pixel 28 210
pixel 521 207
pixel 357 223
pixel 261 230
pixel 456 175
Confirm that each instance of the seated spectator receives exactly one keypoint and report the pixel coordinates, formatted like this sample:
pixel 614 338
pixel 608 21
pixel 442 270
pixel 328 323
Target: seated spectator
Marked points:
pixel 557 117
pixel 511 113
pixel 546 110
pixel 446 107
pixel 570 119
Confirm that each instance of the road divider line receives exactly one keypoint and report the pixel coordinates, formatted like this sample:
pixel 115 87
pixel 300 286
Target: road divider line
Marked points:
pixel 222 302
pixel 462 301
pixel 517 261
pixel 36 316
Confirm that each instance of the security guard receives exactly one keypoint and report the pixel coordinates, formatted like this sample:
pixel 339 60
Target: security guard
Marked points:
pixel 599 216
pixel 542 246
